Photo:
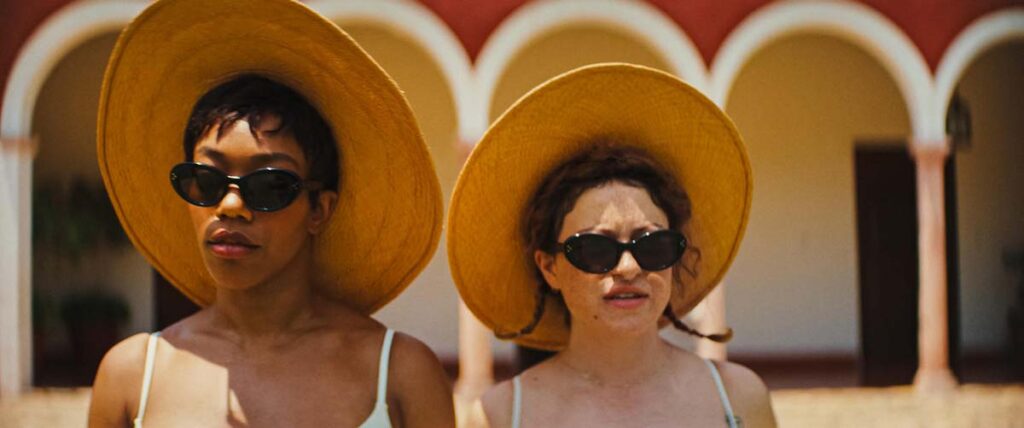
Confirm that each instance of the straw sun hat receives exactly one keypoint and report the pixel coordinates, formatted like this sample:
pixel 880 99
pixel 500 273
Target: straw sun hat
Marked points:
pixel 388 220
pixel 672 121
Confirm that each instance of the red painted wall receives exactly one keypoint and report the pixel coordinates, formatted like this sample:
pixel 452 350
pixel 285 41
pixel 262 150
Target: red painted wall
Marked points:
pixel 931 24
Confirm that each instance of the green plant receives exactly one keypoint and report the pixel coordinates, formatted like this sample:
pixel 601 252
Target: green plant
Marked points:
pixel 74 219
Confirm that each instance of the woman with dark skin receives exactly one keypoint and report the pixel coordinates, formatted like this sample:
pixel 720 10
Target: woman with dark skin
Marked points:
pixel 614 241
pixel 276 344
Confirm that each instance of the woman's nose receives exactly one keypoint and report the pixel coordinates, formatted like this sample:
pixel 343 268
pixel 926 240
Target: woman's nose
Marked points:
pixel 627 266
pixel 233 206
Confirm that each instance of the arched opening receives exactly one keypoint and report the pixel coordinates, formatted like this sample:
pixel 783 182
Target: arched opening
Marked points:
pixel 428 309
pixel 87 278
pixel 804 104
pixel 991 215
pixel 564 49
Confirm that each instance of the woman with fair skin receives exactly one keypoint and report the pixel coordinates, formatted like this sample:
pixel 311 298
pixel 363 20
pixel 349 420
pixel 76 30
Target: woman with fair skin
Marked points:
pixel 269 222
pixel 635 193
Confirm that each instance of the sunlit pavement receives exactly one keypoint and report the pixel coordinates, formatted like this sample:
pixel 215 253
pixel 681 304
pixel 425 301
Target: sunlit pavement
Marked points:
pixel 985 406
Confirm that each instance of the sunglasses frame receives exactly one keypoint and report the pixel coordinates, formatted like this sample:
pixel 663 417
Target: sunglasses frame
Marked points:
pixel 566 248
pixel 296 187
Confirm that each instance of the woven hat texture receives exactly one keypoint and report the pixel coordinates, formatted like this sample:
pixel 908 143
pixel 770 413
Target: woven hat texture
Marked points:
pixel 669 119
pixel 388 218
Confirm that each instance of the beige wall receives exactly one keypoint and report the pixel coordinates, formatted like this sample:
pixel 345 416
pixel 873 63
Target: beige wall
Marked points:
pixel 64 120
pixel 428 309
pixel 990 195
pixel 801 103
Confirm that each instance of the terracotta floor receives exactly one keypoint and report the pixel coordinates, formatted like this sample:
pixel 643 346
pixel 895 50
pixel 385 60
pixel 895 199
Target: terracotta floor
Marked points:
pixel 989 406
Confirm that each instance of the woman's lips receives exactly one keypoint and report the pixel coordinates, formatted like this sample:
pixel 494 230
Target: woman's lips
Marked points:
pixel 230 245
pixel 625 298
pixel 626 302
pixel 230 251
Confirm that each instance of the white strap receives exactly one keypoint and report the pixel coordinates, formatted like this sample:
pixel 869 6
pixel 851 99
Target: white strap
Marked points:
pixel 730 418
pixel 517 401
pixel 382 368
pixel 147 378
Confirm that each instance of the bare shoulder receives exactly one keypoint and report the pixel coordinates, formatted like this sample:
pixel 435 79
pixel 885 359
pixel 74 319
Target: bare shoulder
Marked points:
pixel 497 404
pixel 419 384
pixel 118 382
pixel 747 394
pixel 124 362
pixel 411 356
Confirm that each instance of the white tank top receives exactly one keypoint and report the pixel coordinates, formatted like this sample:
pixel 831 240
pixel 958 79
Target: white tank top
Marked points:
pixel 730 418
pixel 378 417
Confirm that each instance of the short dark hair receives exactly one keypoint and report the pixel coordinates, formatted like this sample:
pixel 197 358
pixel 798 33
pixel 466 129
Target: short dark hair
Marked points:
pixel 605 162
pixel 608 159
pixel 251 97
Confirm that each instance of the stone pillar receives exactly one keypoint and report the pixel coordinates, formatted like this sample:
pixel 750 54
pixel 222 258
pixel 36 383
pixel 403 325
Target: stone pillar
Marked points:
pixel 16 155
pixel 476 361
pixel 933 373
pixel 713 322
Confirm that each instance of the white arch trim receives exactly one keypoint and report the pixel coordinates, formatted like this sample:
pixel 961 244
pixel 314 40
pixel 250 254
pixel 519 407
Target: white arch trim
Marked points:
pixel 850 21
pixel 55 38
pixel 531 21
pixel 428 31
pixel 984 33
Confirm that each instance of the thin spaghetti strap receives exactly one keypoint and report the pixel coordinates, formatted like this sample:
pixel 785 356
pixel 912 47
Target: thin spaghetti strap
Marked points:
pixel 147 378
pixel 517 402
pixel 730 417
pixel 382 367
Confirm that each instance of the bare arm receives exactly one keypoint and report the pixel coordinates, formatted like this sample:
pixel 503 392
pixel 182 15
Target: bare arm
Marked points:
pixel 748 395
pixel 420 385
pixel 118 383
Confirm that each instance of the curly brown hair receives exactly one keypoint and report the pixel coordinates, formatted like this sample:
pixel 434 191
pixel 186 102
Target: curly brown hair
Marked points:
pixel 608 159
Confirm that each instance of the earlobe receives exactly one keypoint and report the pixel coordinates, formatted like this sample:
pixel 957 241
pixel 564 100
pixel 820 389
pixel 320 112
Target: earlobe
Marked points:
pixel 323 209
pixel 546 264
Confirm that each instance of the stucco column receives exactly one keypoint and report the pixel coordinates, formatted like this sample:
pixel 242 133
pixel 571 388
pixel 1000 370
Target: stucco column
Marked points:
pixel 476 361
pixel 16 156
pixel 933 373
pixel 475 357
pixel 712 322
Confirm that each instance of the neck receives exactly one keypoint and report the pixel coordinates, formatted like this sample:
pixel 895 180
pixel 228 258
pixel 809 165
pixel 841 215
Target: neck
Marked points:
pixel 614 359
pixel 272 308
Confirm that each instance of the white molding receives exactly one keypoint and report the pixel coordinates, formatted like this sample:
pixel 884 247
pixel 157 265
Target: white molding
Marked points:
pixel 55 38
pixel 982 34
pixel 537 18
pixel 854 22
pixel 431 34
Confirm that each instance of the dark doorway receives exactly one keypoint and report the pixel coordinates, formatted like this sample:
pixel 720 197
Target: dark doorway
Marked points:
pixel 887 249
pixel 168 303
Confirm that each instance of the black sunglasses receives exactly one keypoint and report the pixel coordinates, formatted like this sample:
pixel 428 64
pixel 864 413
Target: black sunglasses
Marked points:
pixel 266 189
pixel 594 253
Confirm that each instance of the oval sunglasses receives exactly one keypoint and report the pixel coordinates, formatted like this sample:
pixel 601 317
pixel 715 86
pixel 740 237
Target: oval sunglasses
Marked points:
pixel 596 253
pixel 265 190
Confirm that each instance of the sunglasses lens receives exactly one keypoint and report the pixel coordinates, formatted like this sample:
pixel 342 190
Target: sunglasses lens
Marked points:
pixel 198 185
pixel 592 253
pixel 659 250
pixel 270 190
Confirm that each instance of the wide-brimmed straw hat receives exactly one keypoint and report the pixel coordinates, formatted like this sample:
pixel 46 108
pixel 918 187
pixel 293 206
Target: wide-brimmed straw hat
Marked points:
pixel 388 218
pixel 562 117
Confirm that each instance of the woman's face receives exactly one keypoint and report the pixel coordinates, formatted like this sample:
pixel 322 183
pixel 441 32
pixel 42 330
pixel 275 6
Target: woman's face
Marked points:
pixel 242 247
pixel 627 299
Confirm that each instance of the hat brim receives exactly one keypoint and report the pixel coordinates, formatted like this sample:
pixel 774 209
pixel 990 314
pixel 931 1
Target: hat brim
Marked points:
pixel 387 222
pixel 674 122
